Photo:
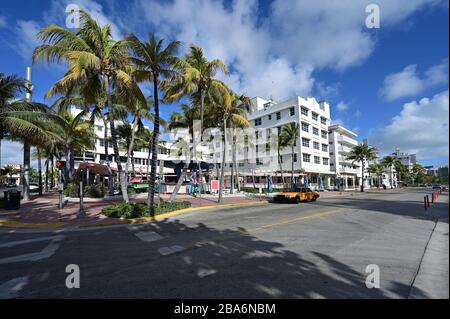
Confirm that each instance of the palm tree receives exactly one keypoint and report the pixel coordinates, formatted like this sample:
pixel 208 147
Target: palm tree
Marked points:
pixel 378 170
pixel 240 106
pixel 389 161
pixel 289 136
pixel 401 170
pixel 281 144
pixel 362 153
pixel 153 63
pixel 90 52
pixel 197 80
pixel 10 88
pixel 416 171
pixel 183 120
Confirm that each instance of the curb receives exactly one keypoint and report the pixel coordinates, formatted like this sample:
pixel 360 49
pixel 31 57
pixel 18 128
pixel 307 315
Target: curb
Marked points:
pixel 18 224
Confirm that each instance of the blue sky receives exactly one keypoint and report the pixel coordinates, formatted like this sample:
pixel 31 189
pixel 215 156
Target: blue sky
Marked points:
pixel 389 85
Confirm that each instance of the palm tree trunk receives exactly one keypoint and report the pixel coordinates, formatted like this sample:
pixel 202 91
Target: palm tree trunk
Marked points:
pixel 362 176
pixel 72 162
pixel 52 176
pixel 133 173
pixel 202 111
pixel 26 170
pixel 222 168
pixel 112 127
pixel 281 168
pixel 46 175
pixel 67 168
pixel 130 150
pixel 236 166
pixel 292 165
pixel 151 183
pixel 39 171
pixel 110 175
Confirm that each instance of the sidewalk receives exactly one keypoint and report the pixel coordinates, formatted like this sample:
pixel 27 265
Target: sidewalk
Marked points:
pixel 433 276
pixel 43 212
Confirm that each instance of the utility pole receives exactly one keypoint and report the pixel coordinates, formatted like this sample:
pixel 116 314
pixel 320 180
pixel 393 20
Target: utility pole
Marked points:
pixel 26 145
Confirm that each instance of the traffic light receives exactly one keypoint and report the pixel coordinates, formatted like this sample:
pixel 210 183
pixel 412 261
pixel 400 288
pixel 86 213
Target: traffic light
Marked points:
pixel 60 164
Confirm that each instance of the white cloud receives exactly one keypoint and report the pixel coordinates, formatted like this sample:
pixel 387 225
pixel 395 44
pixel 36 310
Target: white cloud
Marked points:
pixel 421 127
pixel 407 82
pixel 338 121
pixel 327 91
pixel 333 33
pixel 25 31
pixel 2 22
pixel 342 106
pixel 294 39
pixel 26 41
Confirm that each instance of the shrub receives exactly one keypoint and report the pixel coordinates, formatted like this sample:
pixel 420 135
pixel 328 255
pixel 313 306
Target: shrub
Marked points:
pixel 134 210
pixel 92 191
pixel 72 190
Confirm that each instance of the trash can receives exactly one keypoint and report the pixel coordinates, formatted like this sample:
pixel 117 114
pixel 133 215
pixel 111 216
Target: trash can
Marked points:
pixel 12 200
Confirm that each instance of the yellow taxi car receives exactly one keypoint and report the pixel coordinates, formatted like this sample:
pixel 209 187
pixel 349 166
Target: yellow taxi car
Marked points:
pixel 297 195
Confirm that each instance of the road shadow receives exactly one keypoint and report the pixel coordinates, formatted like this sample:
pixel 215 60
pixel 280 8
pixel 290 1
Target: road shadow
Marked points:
pixel 410 208
pixel 192 262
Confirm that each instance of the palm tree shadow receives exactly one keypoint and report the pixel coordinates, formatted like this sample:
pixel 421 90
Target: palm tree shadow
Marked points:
pixel 220 263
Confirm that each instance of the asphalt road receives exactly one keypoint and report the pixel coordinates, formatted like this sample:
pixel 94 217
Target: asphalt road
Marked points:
pixel 310 250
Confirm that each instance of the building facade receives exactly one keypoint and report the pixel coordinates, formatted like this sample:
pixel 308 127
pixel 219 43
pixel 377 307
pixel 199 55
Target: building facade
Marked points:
pixel 341 141
pixel 310 157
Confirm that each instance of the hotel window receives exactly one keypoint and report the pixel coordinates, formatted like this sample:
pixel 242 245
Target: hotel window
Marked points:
pixel 292 111
pixel 102 143
pixel 315 131
pixel 279 130
pixel 258 161
pixel 325 161
pixel 270 117
pixel 323 120
pixel 257 148
pixel 305 127
pixel 305 142
pixel 267 147
pixel 295 158
pixel 324 134
pixel 306 158
pixel 281 159
pixel 324 148
pixel 268 133
pixel 99 128
pixel 315 116
pixel 258 122
pixel 316 145
pixel 316 159
pixel 304 111
pixel 278 115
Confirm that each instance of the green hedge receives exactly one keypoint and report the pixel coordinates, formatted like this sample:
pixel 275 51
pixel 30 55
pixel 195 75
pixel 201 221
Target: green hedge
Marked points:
pixel 73 190
pixel 134 210
pixel 264 190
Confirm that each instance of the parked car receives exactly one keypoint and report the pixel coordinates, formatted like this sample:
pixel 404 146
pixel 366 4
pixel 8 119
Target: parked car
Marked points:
pixel 436 186
pixel 297 195
pixel 34 187
pixel 11 185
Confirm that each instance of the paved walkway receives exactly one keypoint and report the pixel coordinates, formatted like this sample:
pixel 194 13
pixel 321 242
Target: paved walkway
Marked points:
pixel 44 210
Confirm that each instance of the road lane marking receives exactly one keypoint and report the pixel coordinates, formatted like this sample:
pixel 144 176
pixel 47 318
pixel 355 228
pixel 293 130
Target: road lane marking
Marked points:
pixel 28 241
pixel 47 252
pixel 289 221
pixel 170 250
pixel 148 236
pixel 11 288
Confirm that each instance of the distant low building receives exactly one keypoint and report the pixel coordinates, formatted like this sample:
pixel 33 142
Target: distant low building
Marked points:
pixel 409 160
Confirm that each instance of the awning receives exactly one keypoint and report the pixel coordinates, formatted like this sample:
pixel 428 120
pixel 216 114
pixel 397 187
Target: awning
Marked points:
pixel 136 180
pixel 95 168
